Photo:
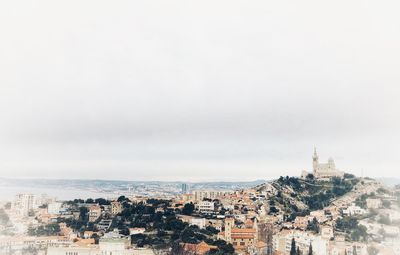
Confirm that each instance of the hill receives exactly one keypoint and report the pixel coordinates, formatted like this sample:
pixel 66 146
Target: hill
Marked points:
pixel 295 196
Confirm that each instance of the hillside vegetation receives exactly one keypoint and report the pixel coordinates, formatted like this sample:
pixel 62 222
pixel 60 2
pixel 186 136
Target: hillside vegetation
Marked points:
pixel 297 196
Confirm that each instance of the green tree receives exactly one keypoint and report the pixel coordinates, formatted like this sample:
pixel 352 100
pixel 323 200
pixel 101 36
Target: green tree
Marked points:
pixel 89 201
pixel 359 233
pixel 212 230
pixel 45 230
pixel 122 199
pixel 83 211
pixel 313 226
pixel 188 209
pixel 346 224
pixel 102 201
pixel 224 247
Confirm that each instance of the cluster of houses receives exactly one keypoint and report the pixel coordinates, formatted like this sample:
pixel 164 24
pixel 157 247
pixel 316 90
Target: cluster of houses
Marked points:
pixel 243 218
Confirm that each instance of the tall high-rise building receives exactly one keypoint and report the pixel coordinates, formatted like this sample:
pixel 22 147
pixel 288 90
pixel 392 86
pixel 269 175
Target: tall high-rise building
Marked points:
pixel 24 203
pixel 184 188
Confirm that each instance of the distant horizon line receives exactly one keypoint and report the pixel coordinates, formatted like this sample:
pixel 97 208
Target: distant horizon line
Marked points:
pixel 128 180
pixel 178 181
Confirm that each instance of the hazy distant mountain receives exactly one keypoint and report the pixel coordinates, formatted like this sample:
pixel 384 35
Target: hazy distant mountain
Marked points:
pixel 389 181
pixel 118 184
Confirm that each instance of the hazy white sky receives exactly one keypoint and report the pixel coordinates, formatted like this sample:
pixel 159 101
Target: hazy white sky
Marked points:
pixel 198 90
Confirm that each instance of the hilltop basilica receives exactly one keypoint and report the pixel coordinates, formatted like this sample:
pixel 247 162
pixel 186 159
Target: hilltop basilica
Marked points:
pixel 323 170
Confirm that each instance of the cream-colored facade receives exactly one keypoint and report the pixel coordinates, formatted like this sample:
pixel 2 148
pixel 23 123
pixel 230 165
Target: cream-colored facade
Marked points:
pixel 116 207
pixel 374 203
pixel 325 170
pixel 200 195
pixel 240 238
pixel 112 243
pixel 94 213
pixel 24 203
pixel 282 242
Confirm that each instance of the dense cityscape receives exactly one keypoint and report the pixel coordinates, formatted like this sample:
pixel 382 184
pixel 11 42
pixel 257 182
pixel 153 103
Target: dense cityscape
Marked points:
pixel 176 127
pixel 323 212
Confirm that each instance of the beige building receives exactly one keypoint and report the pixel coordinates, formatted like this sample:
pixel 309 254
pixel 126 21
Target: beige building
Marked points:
pixel 339 247
pixel 282 242
pixel 96 250
pixel 24 203
pixel 354 210
pixel 200 195
pixel 94 213
pixel 326 232
pixel 242 239
pixel 116 207
pixel 301 222
pixel 374 203
pixel 323 170
pixel 206 206
pixel 319 215
pixel 19 243
pixel 111 243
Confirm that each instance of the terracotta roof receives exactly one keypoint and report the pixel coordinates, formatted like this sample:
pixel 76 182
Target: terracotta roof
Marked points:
pixel 261 244
pixel 242 236
pixel 85 242
pixel 199 249
pixel 243 230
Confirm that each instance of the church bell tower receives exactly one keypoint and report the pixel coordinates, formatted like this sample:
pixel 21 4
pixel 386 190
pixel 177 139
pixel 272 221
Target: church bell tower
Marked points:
pixel 315 161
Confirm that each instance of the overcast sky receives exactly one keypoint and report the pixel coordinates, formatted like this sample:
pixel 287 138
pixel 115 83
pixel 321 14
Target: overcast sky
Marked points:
pixel 198 90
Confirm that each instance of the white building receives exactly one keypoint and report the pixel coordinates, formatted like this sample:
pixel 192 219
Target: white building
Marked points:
pixel 199 195
pixel 24 203
pixel 135 231
pixel 282 242
pixel 111 243
pixel 354 210
pixel 324 170
pixel 340 247
pixel 206 206
pixel 94 213
pixel 393 215
pixel 54 208
pixel 326 232
pixel 200 222
pixel 18 244
pixel 374 203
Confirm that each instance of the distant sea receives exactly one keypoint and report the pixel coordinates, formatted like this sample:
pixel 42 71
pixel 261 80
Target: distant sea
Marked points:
pixel 64 189
pixel 7 193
